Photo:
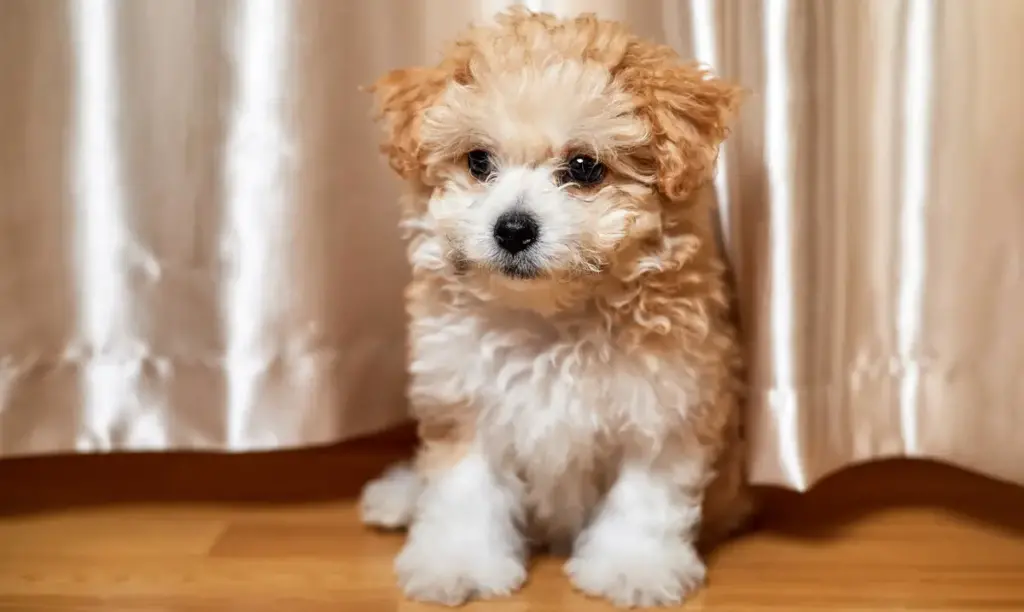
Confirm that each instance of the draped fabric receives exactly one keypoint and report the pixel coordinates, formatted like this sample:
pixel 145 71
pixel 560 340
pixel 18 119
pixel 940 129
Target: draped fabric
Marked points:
pixel 198 243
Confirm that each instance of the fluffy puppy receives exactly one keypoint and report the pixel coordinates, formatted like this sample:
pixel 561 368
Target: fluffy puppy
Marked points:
pixel 575 371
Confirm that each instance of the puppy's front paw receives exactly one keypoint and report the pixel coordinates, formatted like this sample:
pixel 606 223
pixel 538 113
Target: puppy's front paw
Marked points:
pixel 390 501
pixel 643 572
pixel 445 573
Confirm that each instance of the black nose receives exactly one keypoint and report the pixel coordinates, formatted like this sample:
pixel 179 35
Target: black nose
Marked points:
pixel 515 231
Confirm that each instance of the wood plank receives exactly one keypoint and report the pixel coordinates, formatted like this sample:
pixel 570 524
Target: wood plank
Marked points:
pixel 280 531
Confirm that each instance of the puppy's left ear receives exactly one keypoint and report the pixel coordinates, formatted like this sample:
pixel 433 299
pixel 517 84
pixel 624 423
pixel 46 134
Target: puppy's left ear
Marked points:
pixel 689 112
pixel 401 97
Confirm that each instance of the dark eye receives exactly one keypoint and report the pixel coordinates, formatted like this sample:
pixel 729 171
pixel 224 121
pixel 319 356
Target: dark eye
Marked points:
pixel 583 170
pixel 480 164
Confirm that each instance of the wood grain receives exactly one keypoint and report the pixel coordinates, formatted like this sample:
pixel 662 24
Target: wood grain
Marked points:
pixel 247 533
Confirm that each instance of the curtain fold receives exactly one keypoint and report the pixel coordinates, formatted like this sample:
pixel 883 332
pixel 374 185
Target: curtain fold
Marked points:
pixel 198 243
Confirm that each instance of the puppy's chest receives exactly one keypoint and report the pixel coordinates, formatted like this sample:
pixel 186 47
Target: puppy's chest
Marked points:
pixel 544 398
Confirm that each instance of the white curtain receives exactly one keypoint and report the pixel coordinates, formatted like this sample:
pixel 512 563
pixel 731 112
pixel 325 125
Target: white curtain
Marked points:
pixel 198 245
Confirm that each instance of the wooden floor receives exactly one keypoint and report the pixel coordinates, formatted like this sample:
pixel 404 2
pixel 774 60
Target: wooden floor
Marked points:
pixel 279 532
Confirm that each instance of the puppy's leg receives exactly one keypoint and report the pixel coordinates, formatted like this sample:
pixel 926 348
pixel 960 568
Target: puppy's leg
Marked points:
pixel 463 541
pixel 390 501
pixel 730 505
pixel 639 550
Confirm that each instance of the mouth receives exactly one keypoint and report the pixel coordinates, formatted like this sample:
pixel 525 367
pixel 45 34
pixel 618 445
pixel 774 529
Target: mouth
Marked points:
pixel 519 272
pixel 517 267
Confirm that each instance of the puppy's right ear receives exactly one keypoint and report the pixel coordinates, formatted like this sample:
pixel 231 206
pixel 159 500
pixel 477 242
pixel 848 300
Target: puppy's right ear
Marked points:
pixel 401 97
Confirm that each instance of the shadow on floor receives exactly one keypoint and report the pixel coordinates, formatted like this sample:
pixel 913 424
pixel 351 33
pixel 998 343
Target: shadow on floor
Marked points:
pixel 42 484
pixel 857 492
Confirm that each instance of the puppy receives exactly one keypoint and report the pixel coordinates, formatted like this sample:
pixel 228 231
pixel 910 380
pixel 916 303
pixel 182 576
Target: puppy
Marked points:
pixel 575 369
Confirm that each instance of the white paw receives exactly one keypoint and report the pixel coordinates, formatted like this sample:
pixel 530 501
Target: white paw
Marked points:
pixel 390 501
pixel 451 573
pixel 636 572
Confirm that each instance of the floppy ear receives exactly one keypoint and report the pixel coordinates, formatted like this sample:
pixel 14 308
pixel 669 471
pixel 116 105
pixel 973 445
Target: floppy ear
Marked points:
pixel 401 97
pixel 688 111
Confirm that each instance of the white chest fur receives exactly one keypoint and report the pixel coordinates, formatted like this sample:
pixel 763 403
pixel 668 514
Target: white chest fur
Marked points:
pixel 554 403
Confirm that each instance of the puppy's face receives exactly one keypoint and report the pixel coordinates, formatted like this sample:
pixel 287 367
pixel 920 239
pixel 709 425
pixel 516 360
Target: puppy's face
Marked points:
pixel 547 147
pixel 531 179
